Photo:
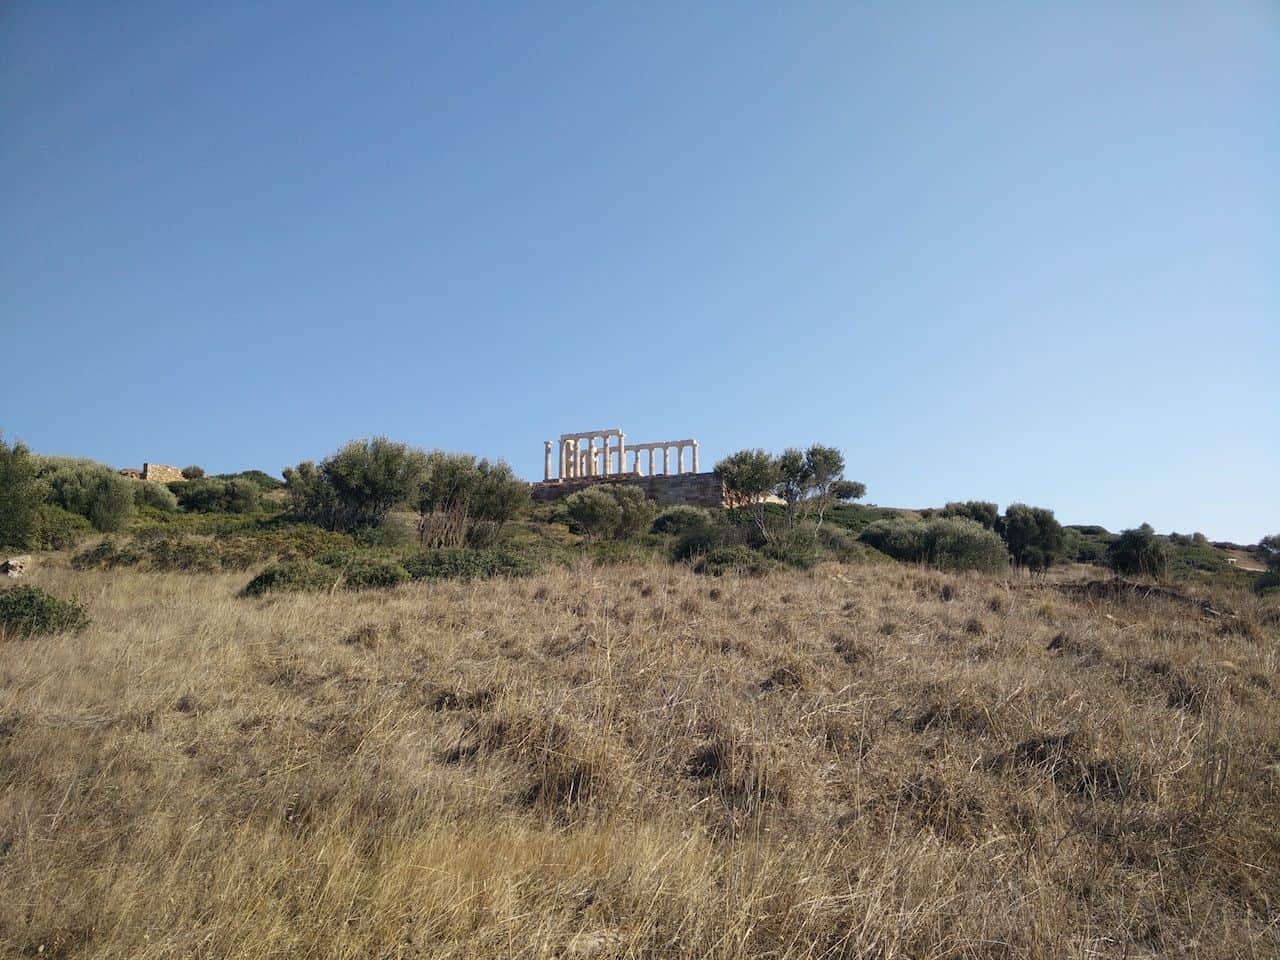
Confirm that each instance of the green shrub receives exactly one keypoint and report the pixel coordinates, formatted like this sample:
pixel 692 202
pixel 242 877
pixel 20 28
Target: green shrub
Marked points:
pixel 903 538
pixel 107 555
pixel 717 533
pixel 388 536
pixel 979 511
pixel 615 552
pixel 263 481
pixel 92 490
pixel 735 559
pixel 365 573
pixel 456 563
pixel 1139 552
pixel 797 548
pixel 609 511
pixel 680 519
pixel 358 485
pixel 183 554
pixel 155 496
pixel 943 542
pixel 958 544
pixel 1034 536
pixel 1086 544
pixel 21 495
pixel 210 495
pixel 839 544
pixel 295 576
pixel 60 529
pixel 193 472
pixel 29 611
pixel 1268 583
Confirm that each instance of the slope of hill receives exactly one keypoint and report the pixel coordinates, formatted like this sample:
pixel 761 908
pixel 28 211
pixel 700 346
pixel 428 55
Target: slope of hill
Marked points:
pixel 636 761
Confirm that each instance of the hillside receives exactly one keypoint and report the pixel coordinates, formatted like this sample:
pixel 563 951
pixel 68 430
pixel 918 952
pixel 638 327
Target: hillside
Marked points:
pixel 632 760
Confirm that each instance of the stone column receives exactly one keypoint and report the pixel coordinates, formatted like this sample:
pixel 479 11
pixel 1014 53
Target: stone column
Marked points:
pixel 680 458
pixel 666 461
pixel 546 472
pixel 651 454
pixel 591 458
pixel 695 456
pixel 622 453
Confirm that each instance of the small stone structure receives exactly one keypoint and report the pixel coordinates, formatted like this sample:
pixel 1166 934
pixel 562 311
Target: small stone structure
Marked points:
pixel 604 456
pixel 155 472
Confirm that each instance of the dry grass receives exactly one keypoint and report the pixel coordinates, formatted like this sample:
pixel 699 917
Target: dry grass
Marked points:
pixel 637 762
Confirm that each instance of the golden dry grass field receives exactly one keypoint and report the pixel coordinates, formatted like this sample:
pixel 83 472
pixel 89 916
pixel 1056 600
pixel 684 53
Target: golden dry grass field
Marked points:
pixel 633 761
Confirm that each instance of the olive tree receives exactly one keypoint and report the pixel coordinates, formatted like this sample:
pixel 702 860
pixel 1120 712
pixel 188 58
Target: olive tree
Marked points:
pixel 357 486
pixel 1139 552
pixel 93 490
pixel 749 477
pixel 1033 535
pixel 462 500
pixel 21 495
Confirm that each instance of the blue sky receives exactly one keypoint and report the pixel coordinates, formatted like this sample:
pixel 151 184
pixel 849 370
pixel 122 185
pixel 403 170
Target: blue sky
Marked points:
pixel 1008 251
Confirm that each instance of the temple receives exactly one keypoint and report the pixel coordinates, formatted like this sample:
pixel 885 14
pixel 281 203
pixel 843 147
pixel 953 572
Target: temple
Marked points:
pixel 666 470
pixel 581 456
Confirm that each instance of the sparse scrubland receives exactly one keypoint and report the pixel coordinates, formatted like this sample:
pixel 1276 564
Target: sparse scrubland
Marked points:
pixel 390 710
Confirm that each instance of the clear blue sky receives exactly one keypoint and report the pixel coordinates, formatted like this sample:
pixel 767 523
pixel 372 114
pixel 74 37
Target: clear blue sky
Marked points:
pixel 1016 251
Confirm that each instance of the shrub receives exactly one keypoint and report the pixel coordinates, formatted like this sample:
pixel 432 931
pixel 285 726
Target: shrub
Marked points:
pixel 106 555
pixel 455 563
pixel 979 511
pixel 60 529
pixel 193 472
pixel 680 519
pixel 615 552
pixel 21 494
pixel 358 485
pixel 294 576
pixel 1033 534
pixel 462 500
pixel 735 559
pixel 948 543
pixel 958 544
pixel 902 539
pixel 92 490
pixel 1083 545
pixel 839 544
pixel 610 511
pixel 363 573
pixel 1269 550
pixel 29 611
pixel 155 496
pixel 210 495
pixel 1139 552
pixel 263 481
pixel 185 554
pixel 796 547
pixel 719 532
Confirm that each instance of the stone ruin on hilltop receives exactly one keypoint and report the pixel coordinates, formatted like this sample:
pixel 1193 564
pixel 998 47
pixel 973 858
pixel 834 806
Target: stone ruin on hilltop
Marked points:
pixel 604 456
pixel 155 472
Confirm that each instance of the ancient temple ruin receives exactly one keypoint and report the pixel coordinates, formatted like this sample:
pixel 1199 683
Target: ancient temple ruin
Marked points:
pixel 580 456
pixel 666 470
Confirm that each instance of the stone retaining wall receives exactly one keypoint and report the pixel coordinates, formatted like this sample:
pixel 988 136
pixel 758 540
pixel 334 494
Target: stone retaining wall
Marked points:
pixel 694 489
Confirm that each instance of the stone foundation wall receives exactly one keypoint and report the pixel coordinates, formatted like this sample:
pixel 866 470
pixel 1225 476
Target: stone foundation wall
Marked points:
pixel 160 473
pixel 694 489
